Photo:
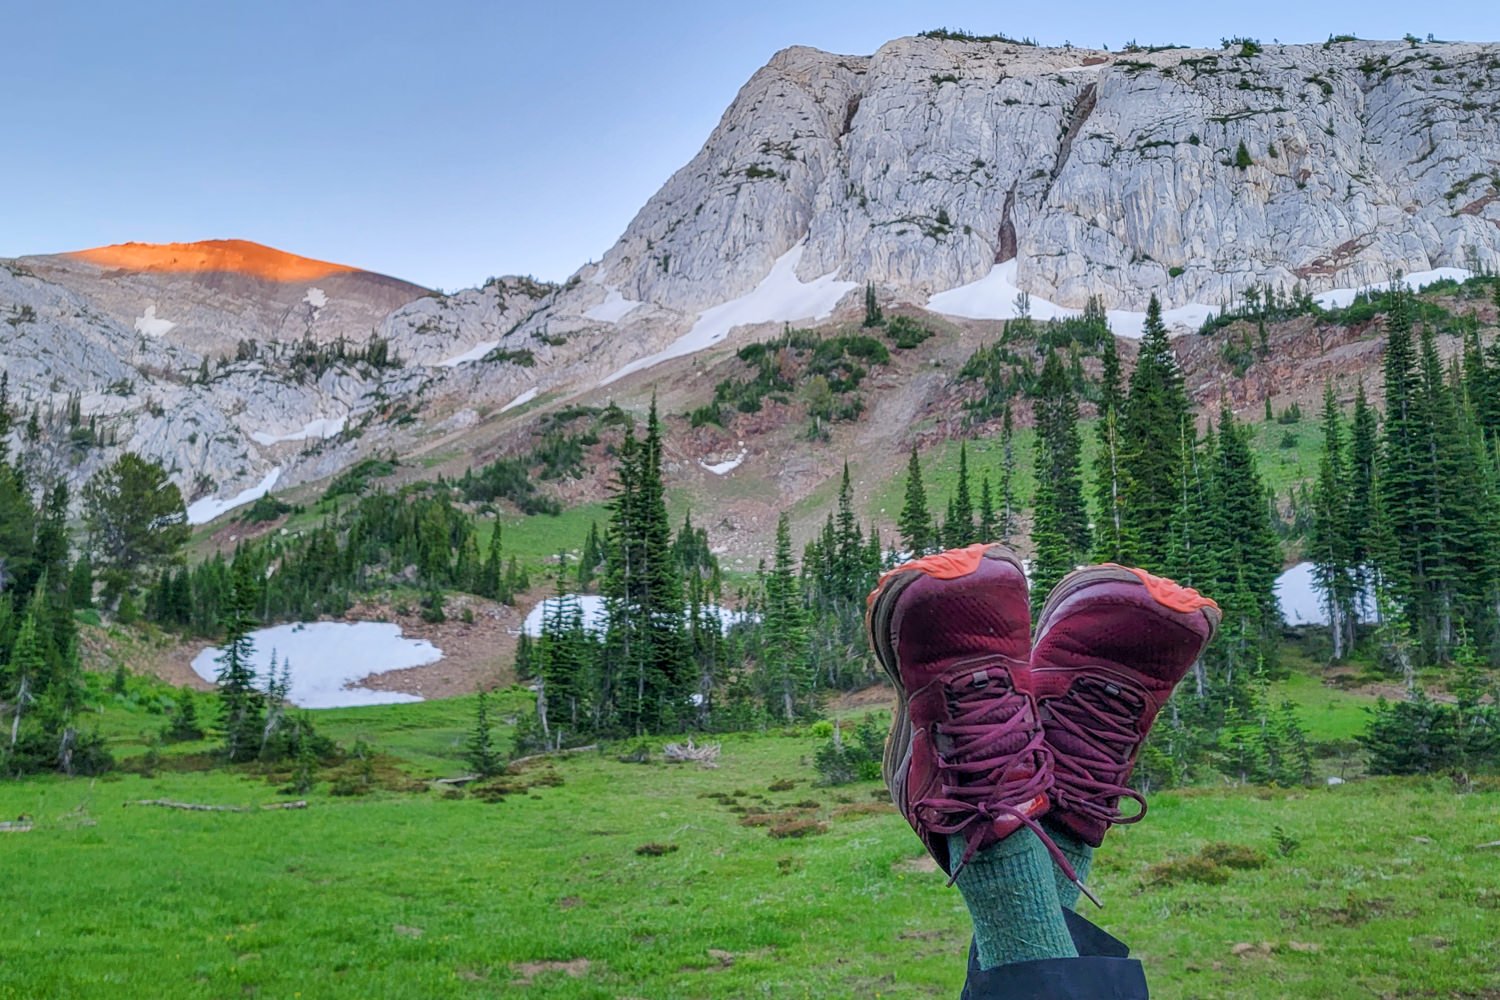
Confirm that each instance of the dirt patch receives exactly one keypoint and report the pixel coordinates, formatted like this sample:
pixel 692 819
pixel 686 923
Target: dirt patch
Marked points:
pixel 912 866
pixel 870 699
pixel 527 971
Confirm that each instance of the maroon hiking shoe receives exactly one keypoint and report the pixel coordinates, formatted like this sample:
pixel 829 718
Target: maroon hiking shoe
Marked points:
pixel 1111 644
pixel 965 753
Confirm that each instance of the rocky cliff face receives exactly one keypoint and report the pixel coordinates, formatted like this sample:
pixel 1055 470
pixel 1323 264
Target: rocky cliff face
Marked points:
pixel 1189 173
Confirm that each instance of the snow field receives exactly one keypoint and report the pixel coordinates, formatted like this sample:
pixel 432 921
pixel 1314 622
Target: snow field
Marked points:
pixel 327 657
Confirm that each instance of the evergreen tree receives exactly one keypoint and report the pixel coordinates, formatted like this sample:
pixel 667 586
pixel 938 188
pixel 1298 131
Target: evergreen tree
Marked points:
pixel 1005 525
pixel 785 675
pixel 1330 545
pixel 241 703
pixel 1108 538
pixel 646 672
pixel 958 529
pixel 915 521
pixel 1151 434
pixel 136 520
pixel 1059 453
pixel 873 315
pixel 987 521
pixel 479 749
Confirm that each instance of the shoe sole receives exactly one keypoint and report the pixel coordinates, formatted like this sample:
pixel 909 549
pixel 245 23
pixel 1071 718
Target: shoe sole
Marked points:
pixel 1166 593
pixel 896 761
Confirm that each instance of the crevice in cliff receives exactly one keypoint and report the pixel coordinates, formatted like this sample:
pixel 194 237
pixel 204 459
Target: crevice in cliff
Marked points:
pixel 1005 246
pixel 1082 108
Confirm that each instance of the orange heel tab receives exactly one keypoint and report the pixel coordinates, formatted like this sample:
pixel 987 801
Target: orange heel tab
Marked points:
pixel 1171 594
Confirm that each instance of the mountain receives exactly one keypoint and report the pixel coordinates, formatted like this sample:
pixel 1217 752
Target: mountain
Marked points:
pixel 952 173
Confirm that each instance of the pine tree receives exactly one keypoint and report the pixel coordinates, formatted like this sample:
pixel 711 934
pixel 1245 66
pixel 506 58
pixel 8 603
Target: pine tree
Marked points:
pixel 786 680
pixel 1108 539
pixel 958 529
pixel 479 750
pixel 987 523
pixel 241 704
pixel 1059 454
pixel 915 521
pixel 1151 433
pixel 1330 545
pixel 1005 525
pixel 873 315
pixel 646 671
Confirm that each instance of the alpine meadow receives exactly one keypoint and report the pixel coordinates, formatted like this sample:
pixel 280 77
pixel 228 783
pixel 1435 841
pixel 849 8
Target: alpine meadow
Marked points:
pixel 545 639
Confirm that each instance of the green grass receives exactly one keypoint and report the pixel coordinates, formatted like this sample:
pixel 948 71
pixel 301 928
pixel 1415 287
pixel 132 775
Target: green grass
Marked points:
pixel 417 895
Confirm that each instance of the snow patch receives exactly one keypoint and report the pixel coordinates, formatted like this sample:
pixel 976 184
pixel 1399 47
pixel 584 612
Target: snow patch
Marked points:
pixel 520 400
pixel 994 297
pixel 205 510
pixel 594 616
pixel 1304 602
pixel 322 428
pixel 614 308
pixel 151 325
pixel 780 297
pixel 1339 298
pixel 316 297
pixel 326 658
pixel 724 468
pixel 475 353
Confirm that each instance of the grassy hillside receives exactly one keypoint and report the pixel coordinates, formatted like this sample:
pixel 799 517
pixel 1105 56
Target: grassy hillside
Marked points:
pixel 546 891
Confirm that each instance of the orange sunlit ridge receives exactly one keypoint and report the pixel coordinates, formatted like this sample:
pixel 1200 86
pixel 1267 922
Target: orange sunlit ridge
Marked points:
pixel 233 256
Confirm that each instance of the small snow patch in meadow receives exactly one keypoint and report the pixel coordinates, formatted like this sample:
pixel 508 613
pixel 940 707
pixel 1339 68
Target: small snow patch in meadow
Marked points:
pixel 205 510
pixel 994 297
pixel 316 297
pixel 326 657
pixel 724 468
pixel 594 616
pixel 614 308
pixel 780 296
pixel 1339 298
pixel 321 429
pixel 151 325
pixel 520 400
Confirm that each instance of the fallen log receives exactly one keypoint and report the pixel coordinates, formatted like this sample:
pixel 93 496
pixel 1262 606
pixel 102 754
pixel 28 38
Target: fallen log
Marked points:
pixel 553 753
pixel 16 827
pixel 706 755
pixel 202 807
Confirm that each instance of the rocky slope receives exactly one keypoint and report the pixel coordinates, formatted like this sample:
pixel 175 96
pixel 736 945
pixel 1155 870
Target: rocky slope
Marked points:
pixel 1186 173
pixel 1117 175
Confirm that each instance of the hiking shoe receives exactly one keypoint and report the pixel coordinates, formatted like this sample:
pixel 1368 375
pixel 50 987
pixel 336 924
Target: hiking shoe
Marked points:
pixel 965 753
pixel 1111 644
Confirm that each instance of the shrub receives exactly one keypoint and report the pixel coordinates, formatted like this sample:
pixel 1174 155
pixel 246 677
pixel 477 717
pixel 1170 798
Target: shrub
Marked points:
pixel 906 332
pixel 797 828
pixel 841 761
pixel 1242 158
pixel 655 850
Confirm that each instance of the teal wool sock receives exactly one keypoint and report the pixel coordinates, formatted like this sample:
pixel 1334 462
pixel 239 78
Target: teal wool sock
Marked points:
pixel 1012 898
pixel 1079 855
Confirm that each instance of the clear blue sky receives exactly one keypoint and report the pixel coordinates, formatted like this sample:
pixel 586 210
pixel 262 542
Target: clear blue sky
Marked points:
pixel 447 142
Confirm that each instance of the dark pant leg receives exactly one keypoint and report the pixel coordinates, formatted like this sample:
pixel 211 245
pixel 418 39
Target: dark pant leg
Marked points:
pixel 1100 972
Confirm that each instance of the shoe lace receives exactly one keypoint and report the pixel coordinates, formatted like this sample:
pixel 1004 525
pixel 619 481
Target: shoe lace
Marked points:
pixel 981 758
pixel 1101 718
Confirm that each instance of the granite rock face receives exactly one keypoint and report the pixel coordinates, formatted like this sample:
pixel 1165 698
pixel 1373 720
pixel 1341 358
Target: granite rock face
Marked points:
pixel 1190 173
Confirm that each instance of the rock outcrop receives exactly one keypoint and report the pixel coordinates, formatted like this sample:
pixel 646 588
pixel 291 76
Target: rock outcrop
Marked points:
pixel 1190 173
